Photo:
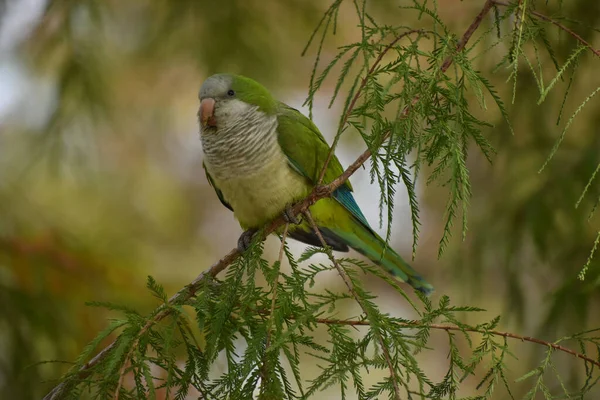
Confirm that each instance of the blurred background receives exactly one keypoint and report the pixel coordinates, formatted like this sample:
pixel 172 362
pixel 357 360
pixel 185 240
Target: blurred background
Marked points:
pixel 101 181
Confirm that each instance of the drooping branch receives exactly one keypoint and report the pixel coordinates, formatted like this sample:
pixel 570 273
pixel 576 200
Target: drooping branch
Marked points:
pixel 357 95
pixel 557 24
pixel 553 345
pixel 352 290
pixel 468 33
pixel 270 322
pixel 443 68
pixel 448 327
pixel 164 311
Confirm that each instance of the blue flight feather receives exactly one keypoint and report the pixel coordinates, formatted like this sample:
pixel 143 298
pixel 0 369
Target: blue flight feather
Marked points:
pixel 344 196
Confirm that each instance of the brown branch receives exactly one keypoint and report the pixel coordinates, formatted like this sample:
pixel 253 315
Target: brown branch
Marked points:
pixel 445 65
pixel 522 338
pixel 556 23
pixel 319 192
pixel 468 33
pixel 181 296
pixel 275 284
pixel 273 302
pixel 356 97
pixel 123 369
pixel 352 290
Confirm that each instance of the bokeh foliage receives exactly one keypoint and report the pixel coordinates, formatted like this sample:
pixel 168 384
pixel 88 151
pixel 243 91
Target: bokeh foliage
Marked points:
pixel 96 189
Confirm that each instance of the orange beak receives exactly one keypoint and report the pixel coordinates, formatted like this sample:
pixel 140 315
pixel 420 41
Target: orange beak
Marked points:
pixel 206 112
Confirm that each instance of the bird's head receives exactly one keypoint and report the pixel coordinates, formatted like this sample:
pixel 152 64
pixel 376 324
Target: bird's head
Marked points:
pixel 225 96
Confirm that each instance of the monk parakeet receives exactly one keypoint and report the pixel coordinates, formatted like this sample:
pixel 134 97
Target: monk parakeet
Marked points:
pixel 262 156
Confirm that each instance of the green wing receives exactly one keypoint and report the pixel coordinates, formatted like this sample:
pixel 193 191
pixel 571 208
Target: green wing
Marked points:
pixel 217 191
pixel 305 146
pixel 307 150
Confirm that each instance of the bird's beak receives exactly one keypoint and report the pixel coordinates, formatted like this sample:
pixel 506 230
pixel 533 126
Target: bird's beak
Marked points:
pixel 206 112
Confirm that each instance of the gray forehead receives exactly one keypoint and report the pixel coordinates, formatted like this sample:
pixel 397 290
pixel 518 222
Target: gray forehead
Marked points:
pixel 215 85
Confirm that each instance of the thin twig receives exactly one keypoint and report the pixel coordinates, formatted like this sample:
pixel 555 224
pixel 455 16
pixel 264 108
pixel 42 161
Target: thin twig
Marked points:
pixel 275 284
pixel 123 369
pixel 340 270
pixel 273 302
pixel 468 33
pixel 444 67
pixel 352 290
pixel 181 296
pixel 122 372
pixel 415 324
pixel 556 23
pixel 356 97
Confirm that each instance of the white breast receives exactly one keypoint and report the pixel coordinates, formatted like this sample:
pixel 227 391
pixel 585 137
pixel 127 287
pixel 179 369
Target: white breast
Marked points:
pixel 247 164
pixel 262 196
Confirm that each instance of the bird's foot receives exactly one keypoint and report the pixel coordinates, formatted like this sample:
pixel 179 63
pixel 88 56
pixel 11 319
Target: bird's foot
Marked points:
pixel 289 217
pixel 245 240
pixel 214 284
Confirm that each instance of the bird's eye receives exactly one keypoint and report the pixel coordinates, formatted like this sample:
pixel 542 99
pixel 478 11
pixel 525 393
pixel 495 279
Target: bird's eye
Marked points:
pixel 230 92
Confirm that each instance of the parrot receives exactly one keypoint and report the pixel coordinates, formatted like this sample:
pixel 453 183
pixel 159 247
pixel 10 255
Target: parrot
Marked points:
pixel 261 156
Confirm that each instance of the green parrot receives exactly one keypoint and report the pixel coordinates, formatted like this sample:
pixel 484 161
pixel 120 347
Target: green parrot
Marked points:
pixel 262 156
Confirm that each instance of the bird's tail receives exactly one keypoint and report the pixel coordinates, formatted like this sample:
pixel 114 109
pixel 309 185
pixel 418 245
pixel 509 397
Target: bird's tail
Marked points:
pixel 371 245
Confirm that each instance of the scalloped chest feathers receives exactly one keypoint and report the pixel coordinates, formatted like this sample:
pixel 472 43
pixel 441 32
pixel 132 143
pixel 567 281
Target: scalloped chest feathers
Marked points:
pixel 247 164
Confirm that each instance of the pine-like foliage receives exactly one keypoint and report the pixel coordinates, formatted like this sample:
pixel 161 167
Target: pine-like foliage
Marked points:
pixel 407 94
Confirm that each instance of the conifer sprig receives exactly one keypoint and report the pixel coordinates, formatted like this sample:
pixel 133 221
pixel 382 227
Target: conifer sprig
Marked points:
pixel 249 340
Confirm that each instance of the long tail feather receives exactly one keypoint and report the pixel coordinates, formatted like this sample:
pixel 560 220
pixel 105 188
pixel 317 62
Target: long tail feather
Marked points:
pixel 369 244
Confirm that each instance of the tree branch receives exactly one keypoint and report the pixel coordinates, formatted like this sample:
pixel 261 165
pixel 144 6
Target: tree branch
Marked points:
pixel 522 338
pixel 468 33
pixel 273 302
pixel 444 67
pixel 276 282
pixel 352 104
pixel 161 313
pixel 319 192
pixel 556 23
pixel 352 290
